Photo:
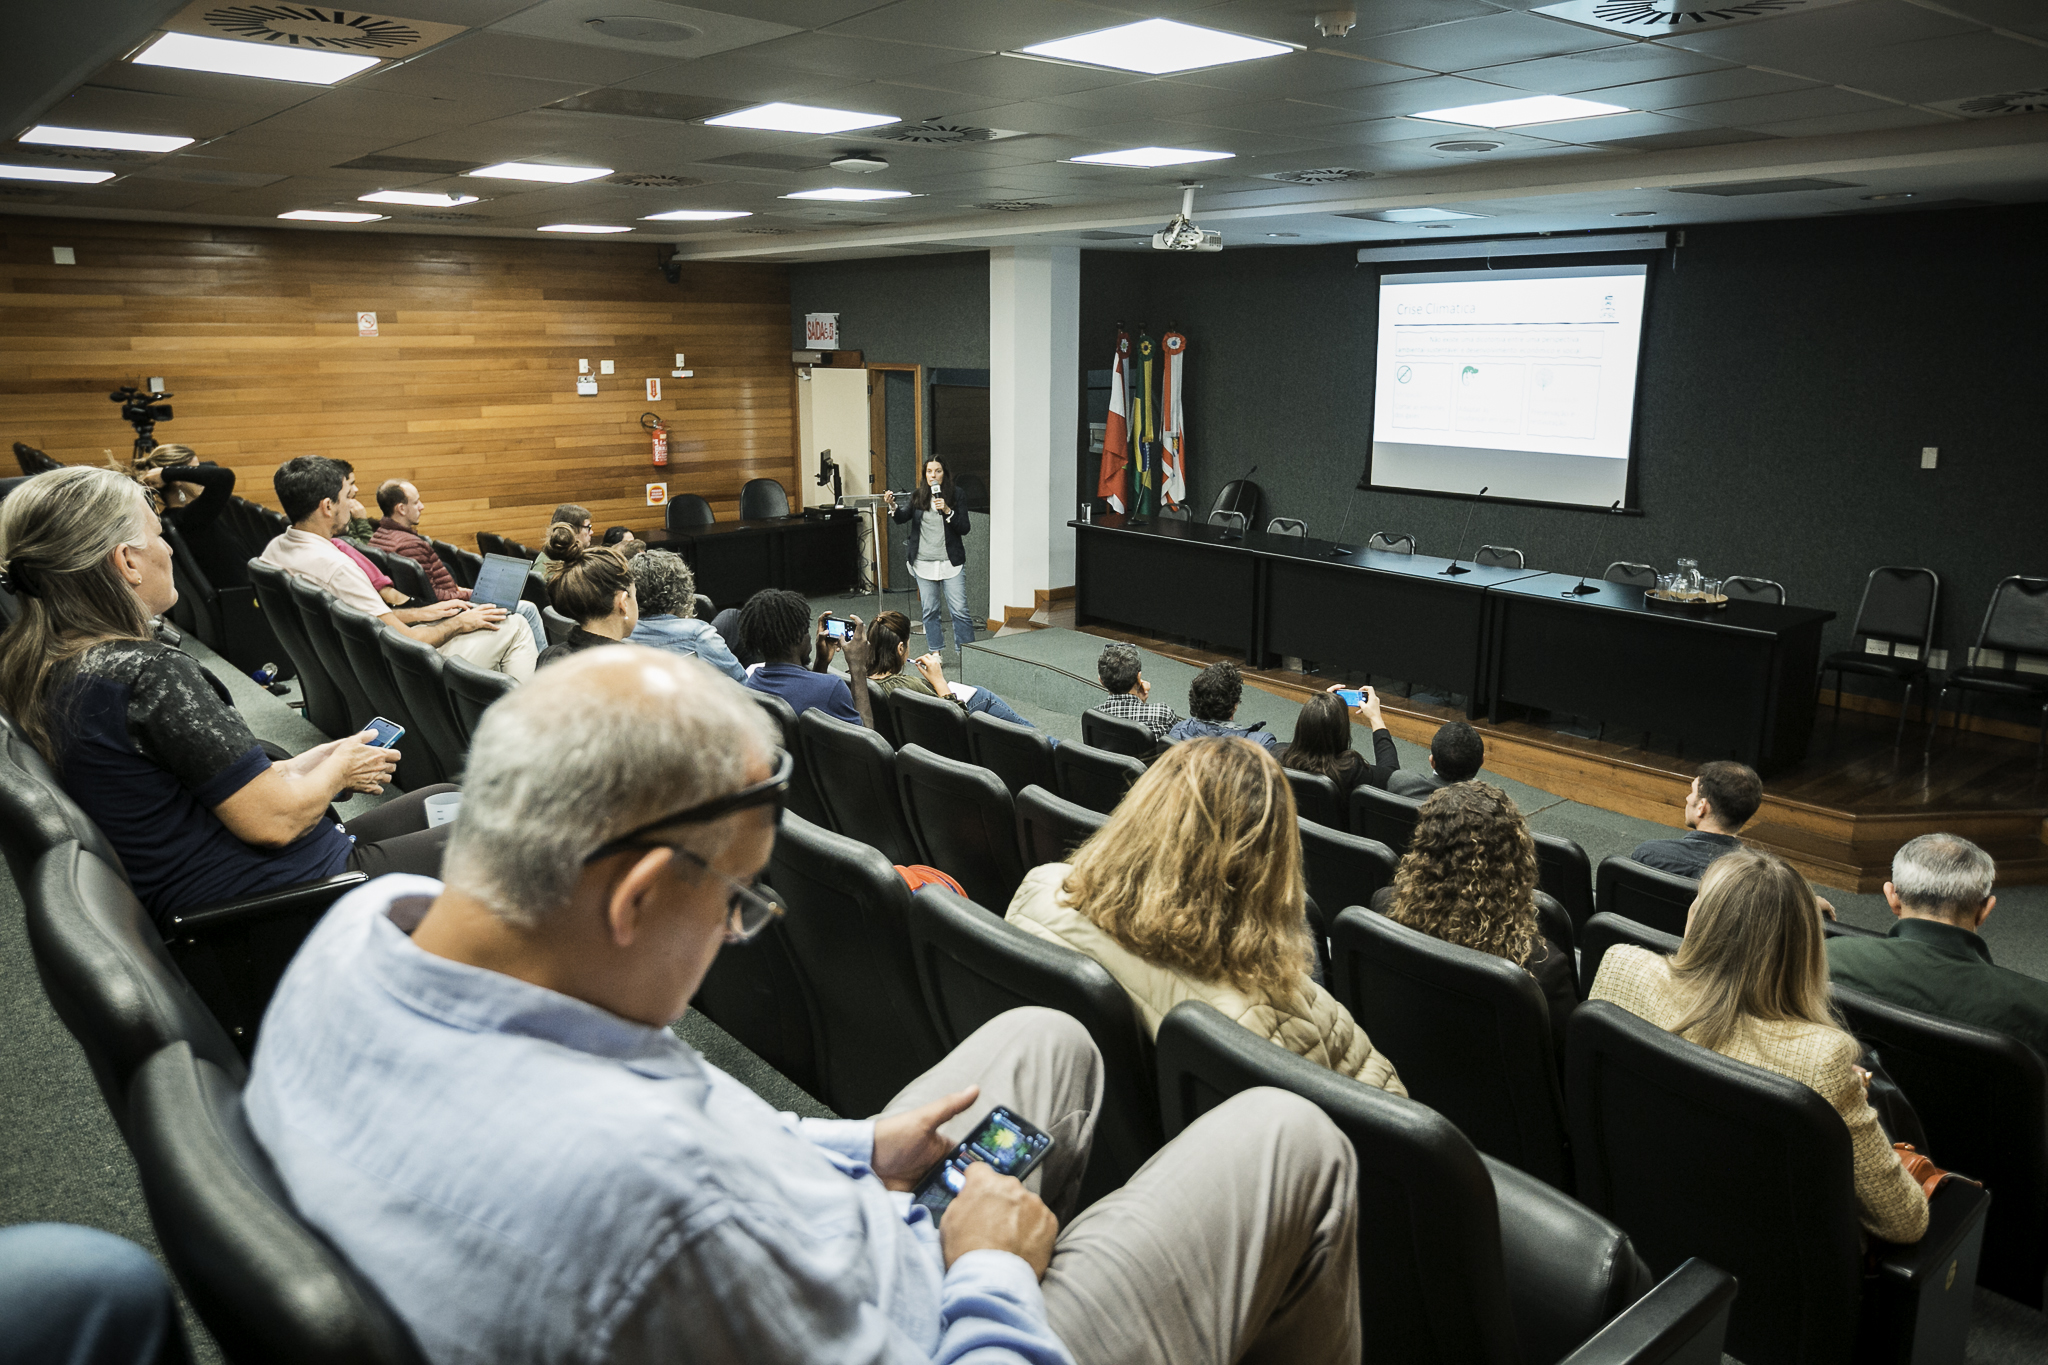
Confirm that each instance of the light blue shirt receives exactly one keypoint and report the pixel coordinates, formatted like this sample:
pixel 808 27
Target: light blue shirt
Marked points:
pixel 688 635
pixel 529 1178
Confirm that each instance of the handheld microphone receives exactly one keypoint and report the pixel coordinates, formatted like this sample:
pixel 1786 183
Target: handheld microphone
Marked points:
pixel 1584 588
pixel 1237 498
pixel 1456 568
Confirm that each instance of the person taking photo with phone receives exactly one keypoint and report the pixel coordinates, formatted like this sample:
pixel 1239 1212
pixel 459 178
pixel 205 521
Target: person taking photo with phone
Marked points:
pixel 938 559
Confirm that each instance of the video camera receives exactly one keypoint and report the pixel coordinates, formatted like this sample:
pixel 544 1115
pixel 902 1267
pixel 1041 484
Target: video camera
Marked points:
pixel 142 409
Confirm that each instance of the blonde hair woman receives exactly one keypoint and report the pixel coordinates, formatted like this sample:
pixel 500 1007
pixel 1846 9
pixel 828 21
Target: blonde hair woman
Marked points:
pixel 1751 982
pixel 1192 891
pixel 190 495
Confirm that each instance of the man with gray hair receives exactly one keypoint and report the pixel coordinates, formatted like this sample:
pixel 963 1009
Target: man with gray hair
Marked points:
pixel 1933 959
pixel 472 1089
pixel 1130 696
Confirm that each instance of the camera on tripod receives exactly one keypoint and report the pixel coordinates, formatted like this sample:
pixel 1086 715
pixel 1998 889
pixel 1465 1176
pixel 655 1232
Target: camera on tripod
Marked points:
pixel 142 409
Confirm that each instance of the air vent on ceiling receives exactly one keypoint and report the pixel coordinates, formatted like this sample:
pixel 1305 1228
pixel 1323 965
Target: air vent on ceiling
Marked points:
pixel 644 104
pixel 1662 18
pixel 771 161
pixel 1992 106
pixel 312 26
pixel 1789 186
pixel 409 165
pixel 1474 145
pixel 766 232
pixel 932 134
pixel 1320 175
pixel 446 218
pixel 92 154
pixel 653 182
pixel 1009 205
pixel 633 28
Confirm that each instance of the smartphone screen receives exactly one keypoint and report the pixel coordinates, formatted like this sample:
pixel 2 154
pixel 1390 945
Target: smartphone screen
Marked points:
pixel 386 732
pixel 1351 696
pixel 1004 1141
pixel 837 628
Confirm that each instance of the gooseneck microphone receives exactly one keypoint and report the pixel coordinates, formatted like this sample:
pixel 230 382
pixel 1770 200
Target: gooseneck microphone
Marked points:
pixel 1337 550
pixel 1458 548
pixel 1235 499
pixel 1584 588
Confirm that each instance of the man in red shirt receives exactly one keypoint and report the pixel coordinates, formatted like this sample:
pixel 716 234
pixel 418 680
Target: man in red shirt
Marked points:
pixel 399 533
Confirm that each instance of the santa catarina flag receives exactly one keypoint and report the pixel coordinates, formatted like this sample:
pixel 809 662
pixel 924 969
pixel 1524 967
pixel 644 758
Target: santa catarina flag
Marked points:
pixel 1116 433
pixel 1173 438
pixel 1145 422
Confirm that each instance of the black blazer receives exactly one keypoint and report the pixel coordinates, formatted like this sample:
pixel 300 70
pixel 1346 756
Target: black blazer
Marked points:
pixel 956 527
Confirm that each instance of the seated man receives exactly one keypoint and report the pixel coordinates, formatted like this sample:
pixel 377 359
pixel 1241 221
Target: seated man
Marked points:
pixel 472 1090
pixel 316 496
pixel 776 624
pixel 1933 960
pixel 1129 694
pixel 668 614
pixel 1721 800
pixel 1456 754
pixel 1213 698
pixel 568 514
pixel 400 533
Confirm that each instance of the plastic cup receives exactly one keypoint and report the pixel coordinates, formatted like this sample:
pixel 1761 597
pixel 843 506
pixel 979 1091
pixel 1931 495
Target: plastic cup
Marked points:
pixel 441 808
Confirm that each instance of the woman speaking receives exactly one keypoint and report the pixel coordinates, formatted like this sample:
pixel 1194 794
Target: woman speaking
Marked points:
pixel 938 559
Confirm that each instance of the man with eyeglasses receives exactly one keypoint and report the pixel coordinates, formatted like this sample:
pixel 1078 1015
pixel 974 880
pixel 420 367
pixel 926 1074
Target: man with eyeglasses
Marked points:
pixel 577 519
pixel 471 1088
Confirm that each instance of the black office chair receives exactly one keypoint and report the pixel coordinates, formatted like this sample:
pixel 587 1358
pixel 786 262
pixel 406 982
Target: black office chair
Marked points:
pixel 1343 869
pixel 1469 1032
pixel 932 722
pixel 357 707
pixel 406 576
pixel 1631 575
pixel 1899 605
pixel 36 814
pixel 1743 588
pixel 472 690
pixel 197 610
pixel 1316 798
pixel 1287 526
pixel 1232 522
pixel 557 626
pixel 1241 496
pixel 762 500
pixel 847 924
pixel 1391 542
pixel 2015 626
pixel 1983 1098
pixel 326 707
pixel 421 675
pixel 854 770
pixel 462 565
pixel 1094 777
pixel 1564 870
pixel 536 591
pixel 1021 755
pixel 1379 814
pixel 1461 1258
pixel 1050 828
pixel 33 461
pixel 686 510
pixel 1604 931
pixel 1653 1119
pixel 491 543
pixel 267 1286
pixel 754 991
pixel 884 719
pixel 1647 895
pixel 974 965
pixel 1498 557
pixel 803 790
pixel 362 641
pixel 964 822
pixel 1116 735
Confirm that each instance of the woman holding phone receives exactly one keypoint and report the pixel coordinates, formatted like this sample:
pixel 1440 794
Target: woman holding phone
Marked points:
pixel 938 559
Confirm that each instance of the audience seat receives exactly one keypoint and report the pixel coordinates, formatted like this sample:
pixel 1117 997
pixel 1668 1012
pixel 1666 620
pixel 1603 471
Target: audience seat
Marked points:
pixel 1556 923
pixel 855 772
pixel 1654 1123
pixel 463 565
pixel 1983 1099
pixel 1114 734
pixel 1316 799
pixel 326 707
pixel 267 1286
pixel 1461 1258
pixel 1021 755
pixel 1647 895
pixel 472 689
pixel 1094 777
pixel 803 790
pixel 1469 1032
pixel 536 591
pixel 964 823
pixel 1050 828
pixel 762 500
pixel 1899 606
pixel 361 638
pixel 848 930
pixel 1631 575
pixel 36 814
pixel 883 719
pixel 1343 869
pixel 421 676
pixel 754 992
pixel 405 575
pixel 557 626
pixel 1382 815
pixel 491 543
pixel 974 965
pixel 357 708
pixel 934 723
pixel 1564 870
pixel 1603 931
pixel 686 510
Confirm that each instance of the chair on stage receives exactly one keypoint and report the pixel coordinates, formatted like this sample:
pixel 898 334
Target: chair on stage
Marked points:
pixel 1287 526
pixel 1498 557
pixel 1241 496
pixel 1229 521
pixel 686 510
pixel 2015 627
pixel 1898 608
pixel 1392 542
pixel 1743 588
pixel 1631 575
pixel 763 500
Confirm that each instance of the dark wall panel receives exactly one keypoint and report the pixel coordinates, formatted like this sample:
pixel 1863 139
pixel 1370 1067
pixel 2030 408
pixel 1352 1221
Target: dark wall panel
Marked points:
pixel 928 310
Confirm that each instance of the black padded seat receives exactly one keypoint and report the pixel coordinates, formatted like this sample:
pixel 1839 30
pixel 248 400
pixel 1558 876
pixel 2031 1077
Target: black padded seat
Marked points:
pixel 803 791
pixel 1316 799
pixel 1469 1033
pixel 763 500
pixel 362 641
pixel 472 690
pixel 1383 815
pixel 357 708
pixel 421 675
pixel 933 723
pixel 462 565
pixel 1653 1119
pixel 405 575
pixel 686 510
pixel 491 543
pixel 1603 931
pixel 1564 870
pixel 1094 777
pixel 36 813
pixel 557 626
pixel 1050 827
pixel 1343 869
pixel 1115 735
pixel 267 1286
pixel 974 965
pixel 1021 755
pixel 1462 1259
pixel 1647 895
pixel 1241 496
pixel 964 822
pixel 854 770
pixel 881 719
pixel 847 924
pixel 326 707
pixel 754 991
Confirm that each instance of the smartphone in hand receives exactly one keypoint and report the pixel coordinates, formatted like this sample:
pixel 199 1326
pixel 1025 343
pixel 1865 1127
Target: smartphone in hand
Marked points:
pixel 1005 1141
pixel 1351 696
pixel 838 628
pixel 384 733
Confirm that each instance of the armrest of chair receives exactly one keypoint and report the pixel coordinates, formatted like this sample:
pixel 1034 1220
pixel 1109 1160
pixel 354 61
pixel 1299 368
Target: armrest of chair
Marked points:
pixel 228 916
pixel 1955 1224
pixel 1916 1305
pixel 1683 1321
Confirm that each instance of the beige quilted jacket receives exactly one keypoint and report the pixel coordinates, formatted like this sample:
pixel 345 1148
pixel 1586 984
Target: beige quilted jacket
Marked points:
pixel 1888 1200
pixel 1307 1021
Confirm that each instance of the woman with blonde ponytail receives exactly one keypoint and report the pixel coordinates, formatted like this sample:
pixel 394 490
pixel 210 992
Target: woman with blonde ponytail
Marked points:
pixel 190 495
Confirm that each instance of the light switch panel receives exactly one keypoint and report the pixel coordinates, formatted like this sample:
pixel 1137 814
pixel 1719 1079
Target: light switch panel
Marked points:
pixel 604 367
pixel 1928 455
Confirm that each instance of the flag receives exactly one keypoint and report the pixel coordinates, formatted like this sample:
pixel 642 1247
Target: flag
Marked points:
pixel 1173 448
pixel 1116 432
pixel 1145 423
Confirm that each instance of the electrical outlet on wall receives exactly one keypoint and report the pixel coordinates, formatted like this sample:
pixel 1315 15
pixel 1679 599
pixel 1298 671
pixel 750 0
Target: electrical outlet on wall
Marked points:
pixel 1928 455
pixel 1937 658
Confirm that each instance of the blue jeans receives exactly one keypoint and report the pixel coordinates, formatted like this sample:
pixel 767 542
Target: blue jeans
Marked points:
pixel 989 703
pixel 954 590
pixel 79 1296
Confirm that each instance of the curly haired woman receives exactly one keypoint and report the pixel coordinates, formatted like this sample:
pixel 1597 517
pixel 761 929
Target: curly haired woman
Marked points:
pixel 1469 877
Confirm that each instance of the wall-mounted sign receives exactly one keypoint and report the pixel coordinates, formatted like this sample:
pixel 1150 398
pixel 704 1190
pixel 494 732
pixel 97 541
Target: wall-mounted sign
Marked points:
pixel 657 494
pixel 654 390
pixel 366 324
pixel 822 329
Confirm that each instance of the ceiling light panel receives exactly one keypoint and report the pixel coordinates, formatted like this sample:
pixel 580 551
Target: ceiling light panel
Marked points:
pixel 417 198
pixel 1150 157
pixel 696 216
pixel 325 216
pixel 54 174
pixel 581 227
pixel 185 52
pixel 800 118
pixel 850 196
pixel 1158 47
pixel 1521 112
pixel 552 175
pixel 49 136
pixel 1418 215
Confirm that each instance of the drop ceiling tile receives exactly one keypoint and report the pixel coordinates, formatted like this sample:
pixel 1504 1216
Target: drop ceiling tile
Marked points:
pixel 1292 23
pixel 1789 41
pixel 1410 97
pixel 142 111
pixel 1577 72
pixel 1023 78
pixel 862 58
pixel 1150 99
pixel 1298 75
pixel 1492 41
pixel 266 97
pixel 739 78
pixel 1379 132
pixel 1676 92
pixel 1035 116
pixel 1872 120
pixel 507 54
pixel 482 94
pixel 699 32
pixel 1615 127
pixel 2021 16
pixel 990 27
pixel 468 13
pixel 1950 68
pixel 357 112
pixel 1759 110
pixel 134 193
pixel 801 13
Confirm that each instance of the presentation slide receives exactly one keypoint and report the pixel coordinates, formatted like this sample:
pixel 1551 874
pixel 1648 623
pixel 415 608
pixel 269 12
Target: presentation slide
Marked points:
pixel 1519 381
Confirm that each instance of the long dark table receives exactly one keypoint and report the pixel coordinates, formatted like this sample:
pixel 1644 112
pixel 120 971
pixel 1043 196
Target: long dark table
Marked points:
pixel 733 560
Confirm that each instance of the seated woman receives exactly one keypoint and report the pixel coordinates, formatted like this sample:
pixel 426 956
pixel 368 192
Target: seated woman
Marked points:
pixel 593 586
pixel 1322 743
pixel 147 741
pixel 1192 891
pixel 1469 877
pixel 667 593
pixel 190 495
pixel 1750 981
pixel 893 668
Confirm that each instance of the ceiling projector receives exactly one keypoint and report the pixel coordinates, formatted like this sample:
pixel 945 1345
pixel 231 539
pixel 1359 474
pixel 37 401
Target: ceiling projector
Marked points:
pixel 1181 234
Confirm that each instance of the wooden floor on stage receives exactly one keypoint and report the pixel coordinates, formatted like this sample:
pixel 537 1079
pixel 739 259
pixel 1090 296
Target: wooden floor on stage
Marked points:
pixel 1838 816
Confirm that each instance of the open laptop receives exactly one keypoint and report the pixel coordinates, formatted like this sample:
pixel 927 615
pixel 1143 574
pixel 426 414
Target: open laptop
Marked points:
pixel 501 581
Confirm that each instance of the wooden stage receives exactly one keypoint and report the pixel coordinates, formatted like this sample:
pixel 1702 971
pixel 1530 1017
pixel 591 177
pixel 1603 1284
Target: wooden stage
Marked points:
pixel 1838 815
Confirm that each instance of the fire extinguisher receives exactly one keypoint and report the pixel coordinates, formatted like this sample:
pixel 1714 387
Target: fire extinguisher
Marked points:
pixel 659 432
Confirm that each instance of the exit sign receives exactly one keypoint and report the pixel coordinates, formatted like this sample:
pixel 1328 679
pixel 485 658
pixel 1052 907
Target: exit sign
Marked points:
pixel 822 330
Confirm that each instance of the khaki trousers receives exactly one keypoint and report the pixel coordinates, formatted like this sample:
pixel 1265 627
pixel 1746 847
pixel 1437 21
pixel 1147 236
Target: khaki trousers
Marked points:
pixel 508 649
pixel 1238 1241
